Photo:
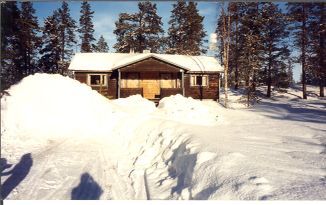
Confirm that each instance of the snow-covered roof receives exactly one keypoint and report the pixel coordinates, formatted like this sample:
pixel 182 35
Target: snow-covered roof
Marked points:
pixel 112 61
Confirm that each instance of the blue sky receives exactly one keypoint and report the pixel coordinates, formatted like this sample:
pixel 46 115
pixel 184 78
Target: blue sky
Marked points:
pixel 107 12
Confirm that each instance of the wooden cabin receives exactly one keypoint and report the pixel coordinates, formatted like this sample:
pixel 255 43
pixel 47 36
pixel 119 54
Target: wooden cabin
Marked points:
pixel 154 76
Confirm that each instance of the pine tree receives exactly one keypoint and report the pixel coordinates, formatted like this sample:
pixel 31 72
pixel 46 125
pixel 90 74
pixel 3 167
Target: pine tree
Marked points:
pixel 86 29
pixel 234 44
pixel 150 29
pixel 298 13
pixel 251 46
pixel 51 50
pixel 186 33
pixel 177 29
pixel 225 23
pixel 317 33
pixel 11 56
pixel 101 46
pixel 124 31
pixel 273 34
pixel 139 31
pixel 194 31
pixel 28 34
pixel 66 27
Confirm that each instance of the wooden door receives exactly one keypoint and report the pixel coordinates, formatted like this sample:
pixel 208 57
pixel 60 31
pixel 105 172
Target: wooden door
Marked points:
pixel 150 82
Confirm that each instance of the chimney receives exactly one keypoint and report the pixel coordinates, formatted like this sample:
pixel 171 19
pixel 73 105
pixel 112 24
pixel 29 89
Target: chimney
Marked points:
pixel 131 50
pixel 146 51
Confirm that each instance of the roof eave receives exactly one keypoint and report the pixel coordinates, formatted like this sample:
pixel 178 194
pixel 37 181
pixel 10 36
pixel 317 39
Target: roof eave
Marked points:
pixel 151 55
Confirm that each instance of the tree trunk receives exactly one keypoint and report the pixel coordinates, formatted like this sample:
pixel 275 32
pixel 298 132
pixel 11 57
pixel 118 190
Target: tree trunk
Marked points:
pixel 225 60
pixel 236 86
pixel 303 51
pixel 226 47
pixel 322 68
pixel 269 76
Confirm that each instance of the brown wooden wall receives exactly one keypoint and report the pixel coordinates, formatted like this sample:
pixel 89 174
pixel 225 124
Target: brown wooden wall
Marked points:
pixel 150 65
pixel 109 91
pixel 126 92
pixel 209 92
pixel 166 92
pixel 205 92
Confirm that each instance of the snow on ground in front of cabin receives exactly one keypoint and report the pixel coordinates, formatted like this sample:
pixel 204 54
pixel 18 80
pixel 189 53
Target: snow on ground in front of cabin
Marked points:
pixel 62 140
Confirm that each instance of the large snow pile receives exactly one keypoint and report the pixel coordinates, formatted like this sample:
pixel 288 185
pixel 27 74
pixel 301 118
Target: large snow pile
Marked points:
pixel 187 110
pixel 44 107
pixel 70 130
pixel 66 141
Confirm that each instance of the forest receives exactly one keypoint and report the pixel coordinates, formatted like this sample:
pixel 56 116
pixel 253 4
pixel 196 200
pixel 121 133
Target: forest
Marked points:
pixel 257 43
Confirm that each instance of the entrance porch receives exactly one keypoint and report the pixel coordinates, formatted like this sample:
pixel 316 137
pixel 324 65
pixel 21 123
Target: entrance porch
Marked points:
pixel 151 85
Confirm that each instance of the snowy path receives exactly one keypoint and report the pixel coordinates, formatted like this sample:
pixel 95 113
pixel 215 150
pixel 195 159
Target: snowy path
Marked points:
pixel 57 170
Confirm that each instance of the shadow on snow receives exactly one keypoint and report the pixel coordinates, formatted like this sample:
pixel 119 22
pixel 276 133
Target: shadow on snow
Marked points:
pixel 87 189
pixel 291 112
pixel 17 174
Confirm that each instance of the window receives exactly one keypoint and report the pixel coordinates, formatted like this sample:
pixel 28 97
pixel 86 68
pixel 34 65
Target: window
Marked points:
pixel 130 80
pixel 97 79
pixel 199 80
pixel 166 80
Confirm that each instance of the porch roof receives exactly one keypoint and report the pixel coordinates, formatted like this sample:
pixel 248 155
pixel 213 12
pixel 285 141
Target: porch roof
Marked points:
pixel 112 61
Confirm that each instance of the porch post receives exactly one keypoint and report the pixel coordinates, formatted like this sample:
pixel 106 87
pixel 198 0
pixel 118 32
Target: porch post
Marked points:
pixel 183 82
pixel 119 82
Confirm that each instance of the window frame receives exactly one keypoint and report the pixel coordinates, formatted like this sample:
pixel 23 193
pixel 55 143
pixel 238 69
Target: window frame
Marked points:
pixel 198 75
pixel 89 81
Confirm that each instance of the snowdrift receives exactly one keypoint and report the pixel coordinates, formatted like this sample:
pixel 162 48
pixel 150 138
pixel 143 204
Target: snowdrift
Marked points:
pixel 47 115
pixel 187 110
pixel 80 145
pixel 44 107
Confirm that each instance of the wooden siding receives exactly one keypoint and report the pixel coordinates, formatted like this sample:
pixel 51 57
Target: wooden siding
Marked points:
pixel 81 77
pixel 126 92
pixel 150 82
pixel 109 90
pixel 203 92
pixel 149 65
pixel 166 92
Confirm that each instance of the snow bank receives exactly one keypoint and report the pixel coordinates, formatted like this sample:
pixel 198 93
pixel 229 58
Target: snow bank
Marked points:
pixel 43 107
pixel 136 104
pixel 187 110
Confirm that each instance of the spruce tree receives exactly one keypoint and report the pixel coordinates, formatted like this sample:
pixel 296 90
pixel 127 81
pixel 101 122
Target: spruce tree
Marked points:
pixel 101 46
pixel 86 27
pixel 29 29
pixel 177 29
pixel 66 27
pixel 51 50
pixel 274 36
pixel 11 55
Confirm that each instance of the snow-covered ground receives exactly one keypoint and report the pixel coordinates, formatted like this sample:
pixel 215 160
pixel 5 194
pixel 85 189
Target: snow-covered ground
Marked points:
pixel 62 140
